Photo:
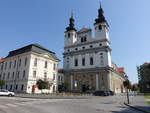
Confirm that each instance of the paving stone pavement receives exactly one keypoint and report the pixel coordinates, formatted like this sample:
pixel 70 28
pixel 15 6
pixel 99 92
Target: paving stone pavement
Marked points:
pixel 139 102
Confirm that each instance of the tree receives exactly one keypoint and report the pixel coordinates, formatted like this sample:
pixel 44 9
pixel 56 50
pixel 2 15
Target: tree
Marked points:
pixel 127 85
pixel 42 84
pixel 134 87
pixel 2 83
pixel 62 87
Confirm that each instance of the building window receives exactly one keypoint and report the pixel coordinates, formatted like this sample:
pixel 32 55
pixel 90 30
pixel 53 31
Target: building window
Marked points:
pixel 10 87
pixel 100 27
pixel 76 49
pixel 54 68
pixel 5 65
pixel 91 60
pixel 25 63
pixel 95 28
pixel 68 35
pixel 83 61
pixel 83 39
pixel 68 50
pixel 8 75
pixel 91 46
pixel 53 76
pixel 10 65
pixel 76 62
pixel 100 44
pixel 101 53
pixel 34 74
pixel 0 76
pixel 102 62
pixel 2 66
pixel 83 47
pixel 22 86
pixel 19 62
pixel 35 62
pixel 45 64
pixel 4 76
pixel 16 87
pixel 18 74
pixel 24 74
pixel 6 86
pixel 13 75
pixel 14 63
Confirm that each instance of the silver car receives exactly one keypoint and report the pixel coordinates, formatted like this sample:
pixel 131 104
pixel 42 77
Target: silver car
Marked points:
pixel 4 92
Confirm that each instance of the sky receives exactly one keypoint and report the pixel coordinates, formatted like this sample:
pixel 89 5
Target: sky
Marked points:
pixel 23 22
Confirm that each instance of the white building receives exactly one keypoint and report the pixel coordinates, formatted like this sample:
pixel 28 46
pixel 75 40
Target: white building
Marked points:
pixel 87 59
pixel 23 67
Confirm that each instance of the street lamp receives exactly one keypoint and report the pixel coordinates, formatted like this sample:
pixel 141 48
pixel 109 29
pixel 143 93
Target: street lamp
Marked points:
pixel 126 85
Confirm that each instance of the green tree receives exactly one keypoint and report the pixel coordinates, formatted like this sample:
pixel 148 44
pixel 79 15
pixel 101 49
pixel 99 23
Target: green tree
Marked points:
pixel 134 87
pixel 2 83
pixel 42 84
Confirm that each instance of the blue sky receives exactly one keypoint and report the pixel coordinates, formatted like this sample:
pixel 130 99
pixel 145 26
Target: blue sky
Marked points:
pixel 23 22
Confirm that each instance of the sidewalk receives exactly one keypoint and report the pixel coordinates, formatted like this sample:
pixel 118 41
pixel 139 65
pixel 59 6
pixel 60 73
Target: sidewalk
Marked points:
pixel 139 103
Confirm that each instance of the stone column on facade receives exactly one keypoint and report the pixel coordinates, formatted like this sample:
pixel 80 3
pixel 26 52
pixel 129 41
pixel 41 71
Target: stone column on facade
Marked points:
pixel 109 80
pixel 97 82
pixel 71 78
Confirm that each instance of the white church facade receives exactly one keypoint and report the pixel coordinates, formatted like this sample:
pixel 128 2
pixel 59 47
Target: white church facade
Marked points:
pixel 87 61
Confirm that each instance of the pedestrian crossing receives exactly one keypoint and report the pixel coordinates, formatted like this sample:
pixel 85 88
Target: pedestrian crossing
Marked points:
pixel 25 103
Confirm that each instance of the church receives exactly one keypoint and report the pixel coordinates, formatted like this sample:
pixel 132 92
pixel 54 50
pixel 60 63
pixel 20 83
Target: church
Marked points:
pixel 87 60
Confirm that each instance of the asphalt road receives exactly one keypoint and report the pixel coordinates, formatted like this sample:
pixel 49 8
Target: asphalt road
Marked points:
pixel 111 104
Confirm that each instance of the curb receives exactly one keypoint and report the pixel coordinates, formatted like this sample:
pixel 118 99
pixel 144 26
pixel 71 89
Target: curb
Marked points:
pixel 52 97
pixel 136 108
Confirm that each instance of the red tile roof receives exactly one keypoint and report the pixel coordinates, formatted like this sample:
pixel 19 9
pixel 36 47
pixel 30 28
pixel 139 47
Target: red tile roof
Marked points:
pixel 60 70
pixel 120 69
pixel 2 60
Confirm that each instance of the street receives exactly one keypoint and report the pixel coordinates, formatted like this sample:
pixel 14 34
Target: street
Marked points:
pixel 111 104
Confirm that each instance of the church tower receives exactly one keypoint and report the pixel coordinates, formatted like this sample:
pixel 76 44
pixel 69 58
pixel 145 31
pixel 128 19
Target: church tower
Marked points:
pixel 70 33
pixel 101 26
pixel 102 34
pixel 87 60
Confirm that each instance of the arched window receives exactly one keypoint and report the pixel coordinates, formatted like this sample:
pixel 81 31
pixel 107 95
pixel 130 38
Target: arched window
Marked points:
pixel 76 62
pixel 68 35
pixel 83 61
pixel 100 27
pixel 85 39
pixel 91 60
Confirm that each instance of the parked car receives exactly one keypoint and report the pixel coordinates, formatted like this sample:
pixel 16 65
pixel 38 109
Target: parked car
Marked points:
pixel 101 93
pixel 4 92
pixel 110 92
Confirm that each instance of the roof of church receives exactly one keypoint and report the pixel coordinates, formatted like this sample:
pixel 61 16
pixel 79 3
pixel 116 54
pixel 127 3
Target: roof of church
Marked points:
pixel 33 48
pixel 84 30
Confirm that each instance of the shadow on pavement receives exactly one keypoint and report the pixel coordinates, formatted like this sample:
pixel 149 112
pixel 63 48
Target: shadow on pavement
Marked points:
pixel 134 109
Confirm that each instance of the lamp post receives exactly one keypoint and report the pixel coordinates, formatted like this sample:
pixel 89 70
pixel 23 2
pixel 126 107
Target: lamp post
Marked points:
pixel 126 85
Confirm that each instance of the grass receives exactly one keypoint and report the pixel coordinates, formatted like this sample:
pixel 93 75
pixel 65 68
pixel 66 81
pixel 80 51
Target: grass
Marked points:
pixel 148 102
pixel 147 96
